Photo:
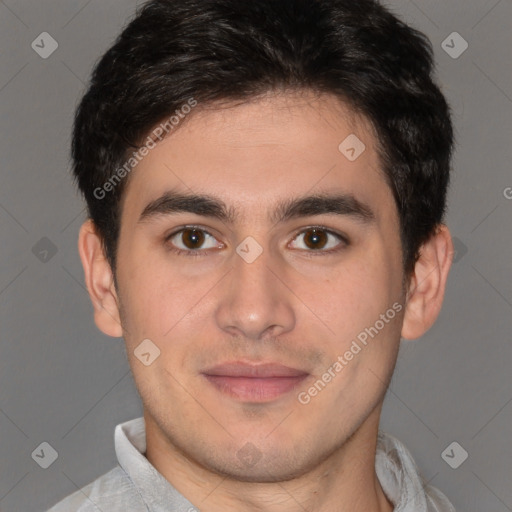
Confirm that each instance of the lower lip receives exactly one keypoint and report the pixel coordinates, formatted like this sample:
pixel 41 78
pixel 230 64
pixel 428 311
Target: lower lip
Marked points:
pixel 254 389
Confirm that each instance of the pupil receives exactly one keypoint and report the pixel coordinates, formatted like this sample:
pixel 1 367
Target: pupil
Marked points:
pixel 193 238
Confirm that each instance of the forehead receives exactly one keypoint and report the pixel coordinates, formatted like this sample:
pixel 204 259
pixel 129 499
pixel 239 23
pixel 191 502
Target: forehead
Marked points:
pixel 249 154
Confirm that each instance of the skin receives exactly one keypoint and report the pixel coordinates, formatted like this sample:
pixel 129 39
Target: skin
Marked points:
pixel 289 306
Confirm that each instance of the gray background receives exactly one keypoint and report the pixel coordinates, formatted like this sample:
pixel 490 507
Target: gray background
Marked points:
pixel 63 382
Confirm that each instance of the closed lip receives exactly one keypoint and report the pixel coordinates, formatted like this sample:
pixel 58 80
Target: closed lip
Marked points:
pixel 253 370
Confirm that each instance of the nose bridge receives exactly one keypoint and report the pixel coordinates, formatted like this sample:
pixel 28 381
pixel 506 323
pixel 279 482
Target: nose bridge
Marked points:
pixel 253 302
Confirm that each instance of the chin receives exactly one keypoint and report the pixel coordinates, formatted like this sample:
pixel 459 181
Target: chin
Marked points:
pixel 263 474
pixel 271 464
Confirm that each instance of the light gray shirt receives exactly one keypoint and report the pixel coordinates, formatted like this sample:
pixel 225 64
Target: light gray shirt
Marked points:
pixel 134 485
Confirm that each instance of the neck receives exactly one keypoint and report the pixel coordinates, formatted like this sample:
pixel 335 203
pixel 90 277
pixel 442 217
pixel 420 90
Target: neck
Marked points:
pixel 345 481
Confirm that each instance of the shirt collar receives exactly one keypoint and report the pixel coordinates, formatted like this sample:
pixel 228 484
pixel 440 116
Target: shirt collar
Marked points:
pixel 158 494
pixel 401 481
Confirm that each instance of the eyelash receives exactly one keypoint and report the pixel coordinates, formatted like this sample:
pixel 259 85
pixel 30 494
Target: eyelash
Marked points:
pixel 309 253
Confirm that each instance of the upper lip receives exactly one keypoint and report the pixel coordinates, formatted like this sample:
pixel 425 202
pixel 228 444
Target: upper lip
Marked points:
pixel 255 370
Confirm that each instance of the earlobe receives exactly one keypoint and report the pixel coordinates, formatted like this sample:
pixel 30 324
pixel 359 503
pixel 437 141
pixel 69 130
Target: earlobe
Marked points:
pixel 99 281
pixel 427 284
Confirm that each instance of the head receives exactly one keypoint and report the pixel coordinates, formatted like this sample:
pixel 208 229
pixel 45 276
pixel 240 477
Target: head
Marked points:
pixel 313 138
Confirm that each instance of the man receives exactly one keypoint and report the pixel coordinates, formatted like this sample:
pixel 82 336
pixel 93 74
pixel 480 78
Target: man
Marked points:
pixel 266 185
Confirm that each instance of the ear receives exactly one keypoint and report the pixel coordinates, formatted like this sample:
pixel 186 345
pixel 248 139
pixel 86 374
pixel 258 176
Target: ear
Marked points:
pixel 427 284
pixel 99 281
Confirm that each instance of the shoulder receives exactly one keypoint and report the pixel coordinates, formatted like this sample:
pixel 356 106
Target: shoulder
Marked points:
pixel 113 491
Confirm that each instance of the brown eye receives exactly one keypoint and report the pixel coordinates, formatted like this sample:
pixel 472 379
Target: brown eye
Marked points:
pixel 315 239
pixel 192 238
pixel 320 240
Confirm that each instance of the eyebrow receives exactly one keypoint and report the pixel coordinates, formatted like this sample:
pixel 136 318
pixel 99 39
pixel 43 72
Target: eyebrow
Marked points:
pixel 208 206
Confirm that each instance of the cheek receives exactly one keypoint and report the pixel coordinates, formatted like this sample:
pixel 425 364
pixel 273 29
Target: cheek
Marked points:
pixel 145 292
pixel 354 294
pixel 159 302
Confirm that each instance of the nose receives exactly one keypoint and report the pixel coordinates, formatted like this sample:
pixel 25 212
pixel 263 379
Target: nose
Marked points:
pixel 254 303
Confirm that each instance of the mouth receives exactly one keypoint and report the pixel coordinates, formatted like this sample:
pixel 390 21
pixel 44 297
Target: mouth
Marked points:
pixel 254 382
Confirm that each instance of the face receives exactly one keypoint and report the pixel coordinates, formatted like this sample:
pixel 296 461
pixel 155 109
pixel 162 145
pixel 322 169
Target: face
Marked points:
pixel 260 290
